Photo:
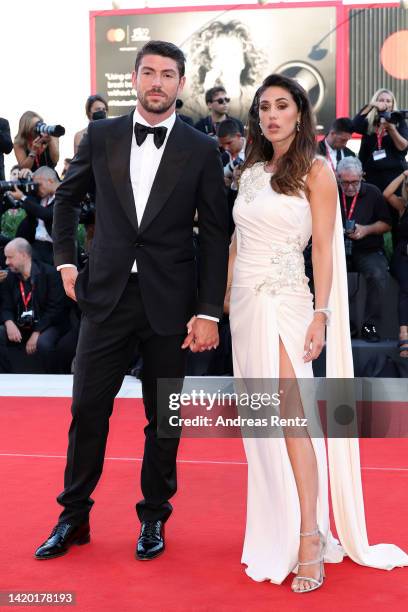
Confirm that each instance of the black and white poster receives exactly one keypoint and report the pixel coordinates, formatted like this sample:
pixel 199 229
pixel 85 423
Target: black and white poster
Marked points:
pixel 234 48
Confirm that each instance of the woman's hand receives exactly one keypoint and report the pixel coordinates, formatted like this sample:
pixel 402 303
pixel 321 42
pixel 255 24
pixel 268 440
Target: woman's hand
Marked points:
pixel 380 106
pixel 38 145
pixel 315 337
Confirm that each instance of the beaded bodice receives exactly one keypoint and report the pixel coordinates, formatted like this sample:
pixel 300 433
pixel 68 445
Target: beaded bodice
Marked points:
pixel 272 231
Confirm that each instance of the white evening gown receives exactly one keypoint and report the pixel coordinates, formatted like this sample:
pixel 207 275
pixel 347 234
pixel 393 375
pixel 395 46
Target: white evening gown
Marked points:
pixel 270 298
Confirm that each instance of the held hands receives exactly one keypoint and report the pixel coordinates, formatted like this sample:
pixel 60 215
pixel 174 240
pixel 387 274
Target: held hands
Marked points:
pixel 202 335
pixel 315 337
pixel 69 276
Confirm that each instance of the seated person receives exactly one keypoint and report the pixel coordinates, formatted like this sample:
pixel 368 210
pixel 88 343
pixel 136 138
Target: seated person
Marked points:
pixel 366 218
pixel 36 228
pixel 33 310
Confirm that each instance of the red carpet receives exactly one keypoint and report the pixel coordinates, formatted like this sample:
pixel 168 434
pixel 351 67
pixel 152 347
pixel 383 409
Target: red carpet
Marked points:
pixel 200 570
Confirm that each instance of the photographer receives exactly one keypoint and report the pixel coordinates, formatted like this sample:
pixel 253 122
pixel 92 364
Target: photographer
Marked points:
pixel 36 228
pixel 333 146
pixel 399 263
pixel 34 308
pixel 233 143
pixel 366 218
pixel 33 147
pixel 96 108
pixel 384 144
pixel 6 145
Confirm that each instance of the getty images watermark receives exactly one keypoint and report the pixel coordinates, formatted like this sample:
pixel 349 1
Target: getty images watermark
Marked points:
pixel 225 407
pixel 212 402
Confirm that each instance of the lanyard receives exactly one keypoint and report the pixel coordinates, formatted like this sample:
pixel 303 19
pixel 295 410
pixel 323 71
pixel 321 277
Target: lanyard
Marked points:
pixel 380 136
pixel 23 295
pixel 353 204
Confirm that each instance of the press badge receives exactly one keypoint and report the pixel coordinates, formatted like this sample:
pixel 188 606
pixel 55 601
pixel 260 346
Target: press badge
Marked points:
pixel 379 154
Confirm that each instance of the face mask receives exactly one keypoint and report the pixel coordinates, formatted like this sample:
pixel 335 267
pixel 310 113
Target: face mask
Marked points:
pixel 100 114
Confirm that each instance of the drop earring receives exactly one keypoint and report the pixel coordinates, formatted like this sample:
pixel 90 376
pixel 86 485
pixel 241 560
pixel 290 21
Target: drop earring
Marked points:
pixel 298 125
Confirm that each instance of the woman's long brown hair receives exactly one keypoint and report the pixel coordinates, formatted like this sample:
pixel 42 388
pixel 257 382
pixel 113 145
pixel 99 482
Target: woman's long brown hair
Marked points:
pixel 25 128
pixel 291 168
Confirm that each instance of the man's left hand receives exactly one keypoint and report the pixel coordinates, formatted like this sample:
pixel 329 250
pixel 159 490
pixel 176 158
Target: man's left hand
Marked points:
pixel 31 345
pixel 202 335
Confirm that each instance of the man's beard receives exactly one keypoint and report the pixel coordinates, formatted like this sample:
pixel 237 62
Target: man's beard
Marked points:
pixel 159 106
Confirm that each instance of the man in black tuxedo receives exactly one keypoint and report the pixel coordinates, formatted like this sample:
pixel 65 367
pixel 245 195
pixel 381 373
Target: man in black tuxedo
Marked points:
pixel 333 147
pixel 152 172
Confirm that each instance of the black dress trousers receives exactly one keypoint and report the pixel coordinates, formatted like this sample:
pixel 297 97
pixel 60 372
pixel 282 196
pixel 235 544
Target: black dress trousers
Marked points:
pixel 104 352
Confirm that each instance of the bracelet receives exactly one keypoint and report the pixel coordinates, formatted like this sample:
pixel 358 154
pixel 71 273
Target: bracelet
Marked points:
pixel 325 311
pixel 32 154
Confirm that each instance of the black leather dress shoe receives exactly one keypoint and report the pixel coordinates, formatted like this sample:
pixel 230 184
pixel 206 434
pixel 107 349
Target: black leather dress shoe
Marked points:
pixel 151 540
pixel 369 333
pixel 61 539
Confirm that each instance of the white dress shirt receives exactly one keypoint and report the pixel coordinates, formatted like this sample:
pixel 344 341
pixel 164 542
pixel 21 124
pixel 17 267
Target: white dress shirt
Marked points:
pixel 333 154
pixel 144 163
pixel 41 233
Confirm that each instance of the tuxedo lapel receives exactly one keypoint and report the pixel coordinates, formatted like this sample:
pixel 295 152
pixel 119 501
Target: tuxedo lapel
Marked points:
pixel 169 172
pixel 118 147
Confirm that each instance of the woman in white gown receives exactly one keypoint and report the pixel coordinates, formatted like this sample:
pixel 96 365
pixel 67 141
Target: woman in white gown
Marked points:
pixel 285 196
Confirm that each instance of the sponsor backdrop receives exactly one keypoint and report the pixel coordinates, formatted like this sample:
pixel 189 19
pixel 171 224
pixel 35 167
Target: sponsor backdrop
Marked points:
pixel 239 47
pixel 235 48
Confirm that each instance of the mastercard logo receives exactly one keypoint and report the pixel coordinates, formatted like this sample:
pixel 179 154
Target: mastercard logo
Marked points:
pixel 115 35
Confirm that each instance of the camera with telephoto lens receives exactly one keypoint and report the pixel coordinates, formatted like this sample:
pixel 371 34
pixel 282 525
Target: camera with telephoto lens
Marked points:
pixel 350 226
pixel 87 213
pixel 26 186
pixel 235 163
pixel 43 129
pixel 6 192
pixel 394 117
pixel 26 319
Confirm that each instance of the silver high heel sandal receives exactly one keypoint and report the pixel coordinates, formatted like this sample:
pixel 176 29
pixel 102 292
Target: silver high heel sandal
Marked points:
pixel 314 584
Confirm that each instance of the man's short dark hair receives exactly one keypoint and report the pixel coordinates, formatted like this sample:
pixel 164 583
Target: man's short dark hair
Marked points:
pixel 210 93
pixel 342 124
pixel 165 49
pixel 228 127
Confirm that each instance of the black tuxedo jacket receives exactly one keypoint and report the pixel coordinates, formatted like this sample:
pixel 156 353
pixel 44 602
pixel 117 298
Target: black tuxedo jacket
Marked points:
pixel 189 178
pixel 321 149
pixel 35 211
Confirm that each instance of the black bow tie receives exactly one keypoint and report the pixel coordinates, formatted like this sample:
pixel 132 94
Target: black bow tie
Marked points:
pixel 159 134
